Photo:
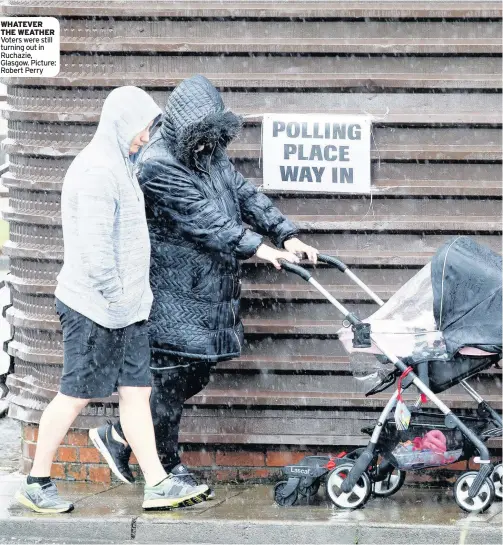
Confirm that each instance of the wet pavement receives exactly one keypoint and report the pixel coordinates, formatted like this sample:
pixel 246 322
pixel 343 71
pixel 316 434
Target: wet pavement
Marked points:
pixel 10 442
pixel 240 514
pixel 245 514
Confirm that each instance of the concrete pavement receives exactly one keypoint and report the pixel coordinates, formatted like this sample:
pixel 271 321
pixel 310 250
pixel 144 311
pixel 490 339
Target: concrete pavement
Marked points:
pixel 246 514
pixel 10 444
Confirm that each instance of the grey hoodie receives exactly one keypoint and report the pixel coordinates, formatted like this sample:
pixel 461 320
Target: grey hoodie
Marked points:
pixel 105 275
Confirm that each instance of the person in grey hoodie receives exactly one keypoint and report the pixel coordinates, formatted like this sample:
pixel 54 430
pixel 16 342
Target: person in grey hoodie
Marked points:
pixel 103 299
pixel 204 219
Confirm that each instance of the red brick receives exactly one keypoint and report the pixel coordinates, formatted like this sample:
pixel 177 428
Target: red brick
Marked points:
pixel 225 475
pixel 99 474
pixel 30 433
pixel 76 439
pixel 26 466
pixel 198 459
pixel 259 473
pixel 29 449
pixel 475 467
pixel 242 458
pixel 67 454
pixel 423 477
pixel 431 477
pixel 58 471
pixel 339 453
pixel 89 455
pixel 457 466
pixel 206 475
pixel 284 457
pixel 77 472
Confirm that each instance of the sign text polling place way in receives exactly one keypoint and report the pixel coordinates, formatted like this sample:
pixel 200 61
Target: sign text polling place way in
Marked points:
pixel 316 152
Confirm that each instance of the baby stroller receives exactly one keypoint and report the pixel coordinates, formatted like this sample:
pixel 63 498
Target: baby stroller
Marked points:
pixel 441 328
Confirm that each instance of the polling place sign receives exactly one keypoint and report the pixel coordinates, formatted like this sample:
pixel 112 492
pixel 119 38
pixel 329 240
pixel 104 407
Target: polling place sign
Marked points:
pixel 316 152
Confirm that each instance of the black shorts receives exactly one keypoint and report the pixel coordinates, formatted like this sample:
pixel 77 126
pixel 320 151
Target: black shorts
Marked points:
pixel 97 360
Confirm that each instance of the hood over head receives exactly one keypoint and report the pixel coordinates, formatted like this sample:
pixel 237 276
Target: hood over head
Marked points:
pixel 195 114
pixel 126 112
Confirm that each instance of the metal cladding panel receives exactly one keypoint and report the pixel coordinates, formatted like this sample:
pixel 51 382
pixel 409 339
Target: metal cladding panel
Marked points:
pixel 430 74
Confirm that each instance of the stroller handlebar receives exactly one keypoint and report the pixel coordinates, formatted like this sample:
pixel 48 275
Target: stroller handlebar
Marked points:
pixel 329 260
pixel 296 269
pixel 306 275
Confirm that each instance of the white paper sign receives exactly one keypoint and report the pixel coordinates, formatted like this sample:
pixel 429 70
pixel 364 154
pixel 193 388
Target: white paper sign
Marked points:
pixel 316 152
pixel 29 47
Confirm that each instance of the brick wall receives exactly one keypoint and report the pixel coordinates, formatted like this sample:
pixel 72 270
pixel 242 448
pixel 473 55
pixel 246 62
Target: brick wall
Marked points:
pixel 78 460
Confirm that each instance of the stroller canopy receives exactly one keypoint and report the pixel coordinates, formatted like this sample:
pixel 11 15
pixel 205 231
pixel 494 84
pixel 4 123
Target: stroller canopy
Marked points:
pixel 466 281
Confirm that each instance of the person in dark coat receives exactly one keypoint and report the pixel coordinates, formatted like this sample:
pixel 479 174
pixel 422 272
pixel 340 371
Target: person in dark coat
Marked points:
pixel 197 206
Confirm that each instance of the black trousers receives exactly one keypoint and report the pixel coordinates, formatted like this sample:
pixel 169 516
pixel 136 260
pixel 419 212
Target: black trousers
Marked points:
pixel 171 387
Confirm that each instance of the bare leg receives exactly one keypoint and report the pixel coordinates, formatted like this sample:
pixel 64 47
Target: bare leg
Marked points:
pixel 54 424
pixel 136 422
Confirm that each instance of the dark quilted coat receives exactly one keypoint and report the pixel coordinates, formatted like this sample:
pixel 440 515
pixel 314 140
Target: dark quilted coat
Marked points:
pixel 196 208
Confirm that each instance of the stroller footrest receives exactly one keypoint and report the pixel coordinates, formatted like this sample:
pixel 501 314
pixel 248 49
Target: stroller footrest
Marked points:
pixel 484 472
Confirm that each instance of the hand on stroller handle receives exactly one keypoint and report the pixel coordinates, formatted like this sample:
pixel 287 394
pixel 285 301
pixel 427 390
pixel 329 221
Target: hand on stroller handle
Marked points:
pixel 274 256
pixel 296 269
pixel 338 264
pixel 329 260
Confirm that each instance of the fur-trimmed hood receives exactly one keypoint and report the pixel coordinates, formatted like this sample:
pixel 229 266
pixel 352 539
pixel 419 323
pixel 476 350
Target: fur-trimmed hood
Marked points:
pixel 195 114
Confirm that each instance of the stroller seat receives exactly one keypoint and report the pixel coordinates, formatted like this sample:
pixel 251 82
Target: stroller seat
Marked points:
pixel 443 375
pixel 472 351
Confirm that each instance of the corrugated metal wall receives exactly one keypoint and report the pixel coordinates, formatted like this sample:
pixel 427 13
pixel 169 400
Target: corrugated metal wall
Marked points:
pixel 428 71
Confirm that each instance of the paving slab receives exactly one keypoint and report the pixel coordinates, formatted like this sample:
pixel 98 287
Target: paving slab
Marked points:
pixel 10 444
pixel 9 483
pixel 246 514
pixel 497 519
pixel 125 500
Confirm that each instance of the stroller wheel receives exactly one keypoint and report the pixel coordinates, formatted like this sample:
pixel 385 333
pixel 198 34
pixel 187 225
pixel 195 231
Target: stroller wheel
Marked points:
pixel 479 503
pixel 390 484
pixel 497 479
pixel 280 499
pixel 310 491
pixel 350 500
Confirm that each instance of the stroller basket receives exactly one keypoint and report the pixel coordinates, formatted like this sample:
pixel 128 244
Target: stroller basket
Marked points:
pixel 427 442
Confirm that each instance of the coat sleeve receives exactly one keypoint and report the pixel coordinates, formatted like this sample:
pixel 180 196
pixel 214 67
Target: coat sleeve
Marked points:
pixel 171 191
pixel 258 211
pixel 97 200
